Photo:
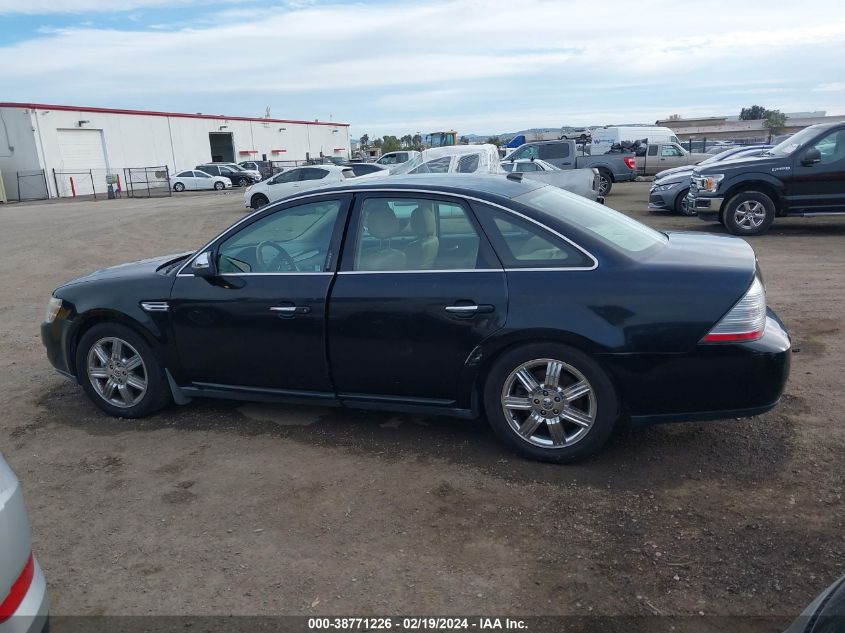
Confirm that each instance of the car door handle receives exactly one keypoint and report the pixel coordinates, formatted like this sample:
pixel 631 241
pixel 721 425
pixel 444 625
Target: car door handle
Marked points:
pixel 469 310
pixel 285 311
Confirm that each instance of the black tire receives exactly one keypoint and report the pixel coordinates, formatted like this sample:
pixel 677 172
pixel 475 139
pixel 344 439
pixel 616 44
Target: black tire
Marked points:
pixel 219 185
pixel 179 187
pixel 750 202
pixel 258 200
pixel 157 394
pixel 681 206
pixel 605 182
pixel 602 401
pixel 244 182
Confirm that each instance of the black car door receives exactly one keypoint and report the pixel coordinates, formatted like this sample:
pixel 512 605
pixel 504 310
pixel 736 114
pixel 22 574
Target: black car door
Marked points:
pixel 419 289
pixel 260 322
pixel 818 185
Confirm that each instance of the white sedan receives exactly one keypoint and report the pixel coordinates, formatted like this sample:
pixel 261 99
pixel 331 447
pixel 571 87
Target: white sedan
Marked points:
pixel 196 180
pixel 293 181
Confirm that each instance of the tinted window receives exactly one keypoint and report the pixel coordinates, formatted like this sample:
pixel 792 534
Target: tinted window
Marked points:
pixel 508 166
pixel 415 234
pixel 201 174
pixel 312 173
pixel 210 170
pixel 831 147
pixel 554 150
pixel 468 164
pixel 527 167
pixel 522 244
pixel 609 226
pixel 185 174
pixel 290 240
pixel 287 176
pixel 652 150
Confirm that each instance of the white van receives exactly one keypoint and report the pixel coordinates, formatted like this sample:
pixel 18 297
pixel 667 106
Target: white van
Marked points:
pixel 604 137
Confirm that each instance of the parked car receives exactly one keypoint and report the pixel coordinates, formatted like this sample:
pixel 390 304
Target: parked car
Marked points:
pixel 255 174
pixel 671 186
pixel 263 168
pixel 661 156
pixel 198 180
pixel 825 614
pixel 391 159
pixel 563 154
pixel 461 295
pixel 23 590
pixel 239 178
pixel 584 182
pixel 293 181
pixel 802 176
pixel 367 169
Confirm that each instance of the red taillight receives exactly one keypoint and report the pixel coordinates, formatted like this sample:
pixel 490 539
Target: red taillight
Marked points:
pixel 630 161
pixel 746 321
pixel 18 591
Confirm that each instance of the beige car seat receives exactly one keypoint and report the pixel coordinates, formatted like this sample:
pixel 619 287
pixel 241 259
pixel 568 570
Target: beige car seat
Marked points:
pixel 421 253
pixel 384 225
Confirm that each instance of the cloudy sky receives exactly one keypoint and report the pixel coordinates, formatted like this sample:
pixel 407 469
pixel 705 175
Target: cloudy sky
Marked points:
pixel 393 67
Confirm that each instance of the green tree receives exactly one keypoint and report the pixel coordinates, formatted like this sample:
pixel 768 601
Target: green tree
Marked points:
pixel 774 121
pixel 377 143
pixel 407 141
pixel 417 140
pixel 390 144
pixel 495 140
pixel 754 113
pixel 365 140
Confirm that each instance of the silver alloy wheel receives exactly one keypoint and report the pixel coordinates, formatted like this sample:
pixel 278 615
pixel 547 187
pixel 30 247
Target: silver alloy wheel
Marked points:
pixel 117 372
pixel 603 182
pixel 750 214
pixel 549 403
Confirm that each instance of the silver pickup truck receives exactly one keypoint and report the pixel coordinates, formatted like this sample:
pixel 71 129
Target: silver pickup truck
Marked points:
pixel 661 156
pixel 612 167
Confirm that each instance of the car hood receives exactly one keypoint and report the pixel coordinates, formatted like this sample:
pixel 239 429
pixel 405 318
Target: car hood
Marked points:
pixel 129 270
pixel 748 162
pixel 674 173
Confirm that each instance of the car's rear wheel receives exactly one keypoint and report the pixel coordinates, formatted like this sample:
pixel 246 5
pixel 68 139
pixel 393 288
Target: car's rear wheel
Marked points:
pixel 258 200
pixel 244 182
pixel 550 402
pixel 749 213
pixel 682 205
pixel 219 185
pixel 178 187
pixel 119 372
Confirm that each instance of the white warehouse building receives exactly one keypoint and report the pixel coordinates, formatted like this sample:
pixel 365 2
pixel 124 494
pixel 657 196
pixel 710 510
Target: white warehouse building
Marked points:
pixel 43 147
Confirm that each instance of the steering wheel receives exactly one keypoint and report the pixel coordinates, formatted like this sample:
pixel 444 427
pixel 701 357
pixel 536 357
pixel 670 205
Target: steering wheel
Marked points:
pixel 282 262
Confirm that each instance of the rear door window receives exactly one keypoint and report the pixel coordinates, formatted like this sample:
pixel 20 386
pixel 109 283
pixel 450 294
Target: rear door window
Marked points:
pixel 554 150
pixel 313 173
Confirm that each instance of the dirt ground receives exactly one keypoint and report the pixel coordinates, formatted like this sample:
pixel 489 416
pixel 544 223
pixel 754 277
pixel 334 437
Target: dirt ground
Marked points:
pixel 218 508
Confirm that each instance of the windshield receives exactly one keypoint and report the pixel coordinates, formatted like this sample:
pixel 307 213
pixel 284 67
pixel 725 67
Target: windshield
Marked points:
pixel 611 227
pixel 786 147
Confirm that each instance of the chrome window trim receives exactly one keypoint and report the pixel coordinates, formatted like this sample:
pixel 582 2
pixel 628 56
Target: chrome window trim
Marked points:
pixel 317 193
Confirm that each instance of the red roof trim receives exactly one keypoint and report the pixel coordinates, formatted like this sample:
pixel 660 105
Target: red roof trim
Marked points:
pixel 181 115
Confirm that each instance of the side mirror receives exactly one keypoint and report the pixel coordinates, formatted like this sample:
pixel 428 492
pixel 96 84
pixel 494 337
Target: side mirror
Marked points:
pixel 203 265
pixel 811 157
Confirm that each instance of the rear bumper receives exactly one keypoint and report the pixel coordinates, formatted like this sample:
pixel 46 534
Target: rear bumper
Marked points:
pixel 710 382
pixel 31 616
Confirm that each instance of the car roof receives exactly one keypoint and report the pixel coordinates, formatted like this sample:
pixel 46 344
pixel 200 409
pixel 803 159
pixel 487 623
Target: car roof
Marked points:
pixel 483 185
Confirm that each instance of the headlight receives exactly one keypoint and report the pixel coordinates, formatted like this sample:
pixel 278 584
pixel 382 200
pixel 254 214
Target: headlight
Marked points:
pixel 53 307
pixel 666 187
pixel 710 183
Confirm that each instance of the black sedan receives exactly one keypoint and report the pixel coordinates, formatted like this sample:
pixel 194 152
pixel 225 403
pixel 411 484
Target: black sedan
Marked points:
pixel 548 314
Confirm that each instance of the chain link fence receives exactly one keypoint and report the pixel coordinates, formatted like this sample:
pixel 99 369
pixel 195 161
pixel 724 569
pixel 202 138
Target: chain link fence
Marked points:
pixel 29 185
pixel 147 182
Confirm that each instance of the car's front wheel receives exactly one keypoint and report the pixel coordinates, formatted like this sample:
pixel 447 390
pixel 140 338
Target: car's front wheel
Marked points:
pixel 219 185
pixel 605 182
pixel 550 402
pixel 119 371
pixel 749 213
pixel 258 200
pixel 179 187
pixel 244 182
pixel 682 204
